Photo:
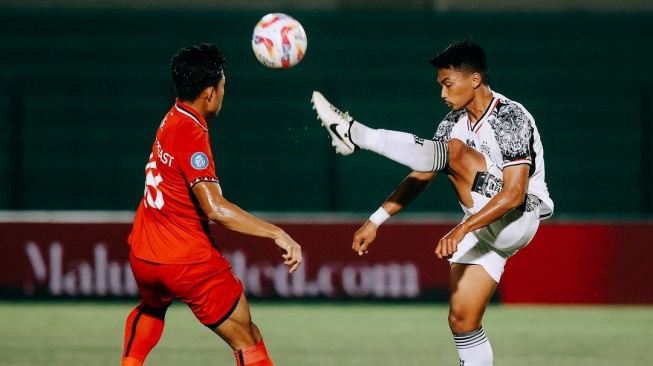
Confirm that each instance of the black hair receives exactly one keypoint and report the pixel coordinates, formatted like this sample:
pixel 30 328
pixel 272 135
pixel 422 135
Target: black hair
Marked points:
pixel 464 56
pixel 195 68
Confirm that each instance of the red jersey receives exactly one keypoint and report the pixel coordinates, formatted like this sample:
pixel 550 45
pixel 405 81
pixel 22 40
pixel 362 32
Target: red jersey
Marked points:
pixel 170 227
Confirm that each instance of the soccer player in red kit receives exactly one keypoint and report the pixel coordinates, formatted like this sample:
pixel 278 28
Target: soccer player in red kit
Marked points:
pixel 172 254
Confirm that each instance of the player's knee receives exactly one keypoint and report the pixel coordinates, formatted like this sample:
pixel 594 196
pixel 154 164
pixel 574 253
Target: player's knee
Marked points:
pixel 456 148
pixel 459 322
pixel 239 337
pixel 255 332
pixel 156 312
pixel 463 156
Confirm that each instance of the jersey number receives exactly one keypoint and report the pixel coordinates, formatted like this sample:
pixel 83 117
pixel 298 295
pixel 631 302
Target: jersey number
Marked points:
pixel 153 195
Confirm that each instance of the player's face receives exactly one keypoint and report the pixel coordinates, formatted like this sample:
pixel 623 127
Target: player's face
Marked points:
pixel 457 87
pixel 218 95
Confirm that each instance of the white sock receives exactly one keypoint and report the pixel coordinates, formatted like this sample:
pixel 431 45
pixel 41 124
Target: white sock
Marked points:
pixel 474 348
pixel 364 137
pixel 416 153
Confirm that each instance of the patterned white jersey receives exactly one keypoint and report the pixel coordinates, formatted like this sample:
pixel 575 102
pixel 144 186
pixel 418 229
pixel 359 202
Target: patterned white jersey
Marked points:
pixel 507 135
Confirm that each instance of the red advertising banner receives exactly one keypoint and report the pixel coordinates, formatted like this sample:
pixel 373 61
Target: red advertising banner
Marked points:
pixel 91 260
pixel 565 263
pixel 583 263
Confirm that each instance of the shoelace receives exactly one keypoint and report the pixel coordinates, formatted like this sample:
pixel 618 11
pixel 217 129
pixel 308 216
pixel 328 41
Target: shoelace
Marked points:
pixel 344 115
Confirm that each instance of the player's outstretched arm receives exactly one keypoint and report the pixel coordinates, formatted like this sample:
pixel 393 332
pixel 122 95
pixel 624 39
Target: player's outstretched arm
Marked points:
pixel 220 210
pixel 411 187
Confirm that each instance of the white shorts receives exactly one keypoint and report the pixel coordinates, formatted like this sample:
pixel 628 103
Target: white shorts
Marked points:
pixel 492 245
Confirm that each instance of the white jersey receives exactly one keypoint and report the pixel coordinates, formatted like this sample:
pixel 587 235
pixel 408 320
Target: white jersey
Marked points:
pixel 507 135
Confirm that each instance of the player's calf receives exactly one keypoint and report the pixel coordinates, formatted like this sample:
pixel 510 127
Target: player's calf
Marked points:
pixel 143 331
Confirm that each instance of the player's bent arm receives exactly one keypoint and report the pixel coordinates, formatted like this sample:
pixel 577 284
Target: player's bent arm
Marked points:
pixel 221 211
pixel 515 184
pixel 409 189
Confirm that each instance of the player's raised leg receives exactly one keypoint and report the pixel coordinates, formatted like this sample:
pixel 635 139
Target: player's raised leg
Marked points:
pixel 348 135
pixel 244 337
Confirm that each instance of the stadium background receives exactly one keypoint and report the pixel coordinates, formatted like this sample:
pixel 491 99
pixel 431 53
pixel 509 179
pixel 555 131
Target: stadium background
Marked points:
pixel 83 86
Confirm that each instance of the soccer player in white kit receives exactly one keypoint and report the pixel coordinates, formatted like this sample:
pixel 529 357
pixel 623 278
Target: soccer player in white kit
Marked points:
pixel 490 148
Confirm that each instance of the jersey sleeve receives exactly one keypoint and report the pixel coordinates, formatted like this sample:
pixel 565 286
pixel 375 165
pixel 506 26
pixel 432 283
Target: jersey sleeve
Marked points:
pixel 196 163
pixel 443 133
pixel 514 134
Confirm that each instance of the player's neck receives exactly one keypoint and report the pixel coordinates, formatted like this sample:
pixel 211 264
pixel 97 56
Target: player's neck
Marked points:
pixel 482 98
pixel 199 107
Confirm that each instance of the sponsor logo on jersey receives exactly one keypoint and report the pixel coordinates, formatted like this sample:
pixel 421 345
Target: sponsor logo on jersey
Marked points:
pixel 485 149
pixel 199 161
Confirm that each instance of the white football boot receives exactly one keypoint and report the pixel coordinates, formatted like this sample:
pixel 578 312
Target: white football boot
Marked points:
pixel 336 122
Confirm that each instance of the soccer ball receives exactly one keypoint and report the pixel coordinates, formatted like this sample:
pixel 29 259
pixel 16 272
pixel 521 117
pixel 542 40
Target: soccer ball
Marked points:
pixel 279 41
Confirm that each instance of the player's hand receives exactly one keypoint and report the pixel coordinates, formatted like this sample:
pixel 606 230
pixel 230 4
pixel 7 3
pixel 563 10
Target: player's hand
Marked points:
pixel 448 245
pixel 364 237
pixel 292 252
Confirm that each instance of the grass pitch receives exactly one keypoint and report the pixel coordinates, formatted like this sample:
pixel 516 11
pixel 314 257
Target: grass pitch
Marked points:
pixel 326 334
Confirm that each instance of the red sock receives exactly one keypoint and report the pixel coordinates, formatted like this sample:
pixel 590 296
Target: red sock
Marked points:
pixel 130 361
pixel 253 356
pixel 142 332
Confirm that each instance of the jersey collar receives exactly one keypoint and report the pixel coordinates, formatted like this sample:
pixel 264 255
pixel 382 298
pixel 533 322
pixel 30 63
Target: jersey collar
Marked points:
pixel 477 126
pixel 190 112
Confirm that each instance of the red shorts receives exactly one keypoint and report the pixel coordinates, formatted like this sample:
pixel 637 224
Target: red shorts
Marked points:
pixel 211 290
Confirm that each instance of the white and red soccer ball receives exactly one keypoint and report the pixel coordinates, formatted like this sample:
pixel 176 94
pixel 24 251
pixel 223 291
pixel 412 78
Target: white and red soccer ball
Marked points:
pixel 279 41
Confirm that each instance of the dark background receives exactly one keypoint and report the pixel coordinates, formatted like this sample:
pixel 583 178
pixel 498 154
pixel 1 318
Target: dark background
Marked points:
pixel 82 92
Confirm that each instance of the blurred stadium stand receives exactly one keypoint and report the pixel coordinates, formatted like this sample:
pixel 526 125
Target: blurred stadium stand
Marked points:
pixel 82 90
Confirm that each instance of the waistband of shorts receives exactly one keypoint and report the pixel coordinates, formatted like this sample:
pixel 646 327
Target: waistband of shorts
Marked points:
pixel 489 185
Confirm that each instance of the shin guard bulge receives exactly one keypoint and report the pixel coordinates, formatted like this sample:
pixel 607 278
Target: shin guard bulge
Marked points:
pixel 143 331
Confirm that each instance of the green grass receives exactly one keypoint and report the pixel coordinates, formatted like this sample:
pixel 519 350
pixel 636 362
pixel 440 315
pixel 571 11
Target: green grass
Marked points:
pixel 324 334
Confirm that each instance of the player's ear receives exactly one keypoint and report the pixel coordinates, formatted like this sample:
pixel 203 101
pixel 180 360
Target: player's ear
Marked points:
pixel 209 93
pixel 476 80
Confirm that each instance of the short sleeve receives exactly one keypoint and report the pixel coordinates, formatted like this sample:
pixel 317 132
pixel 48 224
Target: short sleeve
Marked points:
pixel 514 133
pixel 443 133
pixel 196 163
